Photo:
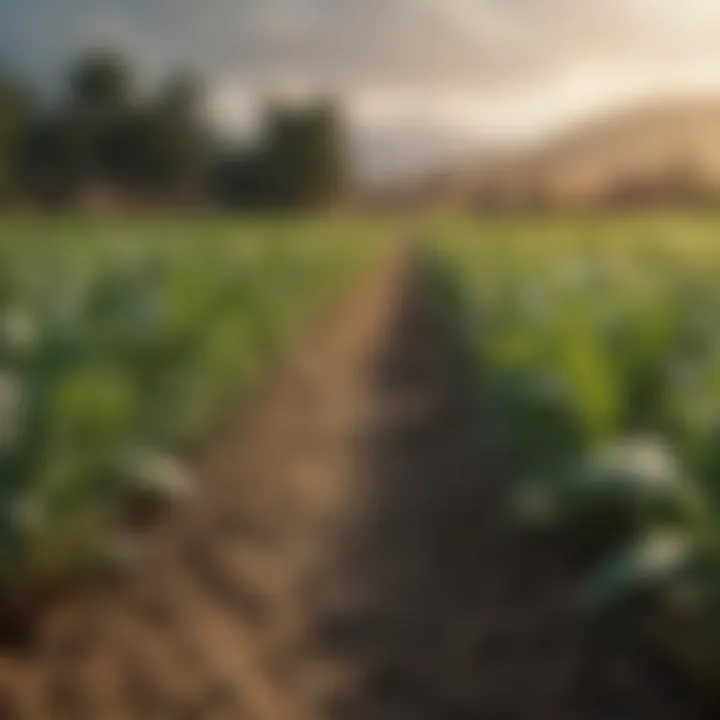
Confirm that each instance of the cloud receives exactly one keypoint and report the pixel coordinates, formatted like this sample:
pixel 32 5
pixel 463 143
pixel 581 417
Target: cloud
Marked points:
pixel 450 69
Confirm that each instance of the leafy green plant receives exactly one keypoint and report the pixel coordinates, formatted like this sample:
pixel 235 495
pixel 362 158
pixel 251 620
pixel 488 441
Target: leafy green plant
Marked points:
pixel 119 346
pixel 596 346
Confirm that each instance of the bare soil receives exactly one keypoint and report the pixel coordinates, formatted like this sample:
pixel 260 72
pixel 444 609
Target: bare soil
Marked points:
pixel 348 558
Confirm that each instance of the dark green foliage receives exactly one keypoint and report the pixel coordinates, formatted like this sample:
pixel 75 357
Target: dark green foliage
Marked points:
pixel 14 109
pixel 300 162
pixel 107 141
pixel 100 84
pixel 305 155
pixel 106 136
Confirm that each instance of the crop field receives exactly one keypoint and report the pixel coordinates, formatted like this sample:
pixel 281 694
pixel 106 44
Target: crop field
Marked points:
pixel 597 346
pixel 501 442
pixel 120 343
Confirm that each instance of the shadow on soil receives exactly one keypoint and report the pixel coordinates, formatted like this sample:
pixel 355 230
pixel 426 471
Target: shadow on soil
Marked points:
pixel 462 614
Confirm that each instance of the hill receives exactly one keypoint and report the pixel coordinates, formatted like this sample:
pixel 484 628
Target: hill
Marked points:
pixel 658 154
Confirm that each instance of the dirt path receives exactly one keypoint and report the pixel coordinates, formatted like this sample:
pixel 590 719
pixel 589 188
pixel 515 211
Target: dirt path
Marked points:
pixel 348 558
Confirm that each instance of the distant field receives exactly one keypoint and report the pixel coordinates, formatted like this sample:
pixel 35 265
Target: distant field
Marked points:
pixel 120 342
pixel 596 346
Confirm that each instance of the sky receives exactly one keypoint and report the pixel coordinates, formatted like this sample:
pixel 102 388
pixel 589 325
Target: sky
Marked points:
pixel 425 82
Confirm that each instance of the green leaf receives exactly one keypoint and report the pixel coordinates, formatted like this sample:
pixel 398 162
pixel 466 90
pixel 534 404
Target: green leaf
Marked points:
pixel 652 561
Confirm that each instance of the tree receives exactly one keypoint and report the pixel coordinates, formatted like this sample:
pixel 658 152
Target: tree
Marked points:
pixel 106 142
pixel 305 152
pixel 99 111
pixel 100 84
pixel 299 162
pixel 332 167
pixel 240 178
pixel 179 149
pixel 14 111
pixel 48 165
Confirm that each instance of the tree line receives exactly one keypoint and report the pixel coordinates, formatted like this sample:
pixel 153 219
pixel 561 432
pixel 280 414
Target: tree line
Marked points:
pixel 105 141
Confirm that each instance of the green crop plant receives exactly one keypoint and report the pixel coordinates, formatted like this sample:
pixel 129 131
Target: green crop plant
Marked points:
pixel 596 344
pixel 121 344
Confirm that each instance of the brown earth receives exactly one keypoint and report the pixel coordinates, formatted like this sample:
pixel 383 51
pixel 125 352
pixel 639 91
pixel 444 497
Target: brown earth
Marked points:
pixel 348 558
